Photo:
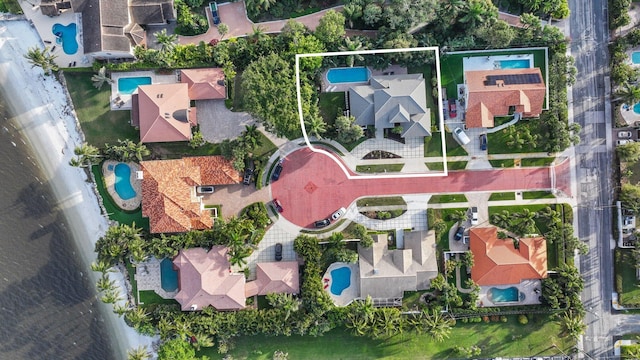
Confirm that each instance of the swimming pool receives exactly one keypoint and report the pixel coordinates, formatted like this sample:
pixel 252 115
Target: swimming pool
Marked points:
pixel 66 35
pixel 348 75
pixel 635 57
pixel 123 181
pixel 510 294
pixel 515 64
pixel 127 85
pixel 636 108
pixel 168 276
pixel 340 280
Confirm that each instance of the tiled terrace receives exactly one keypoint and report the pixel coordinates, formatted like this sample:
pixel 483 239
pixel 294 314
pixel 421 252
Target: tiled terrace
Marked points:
pixel 148 278
pixel 123 101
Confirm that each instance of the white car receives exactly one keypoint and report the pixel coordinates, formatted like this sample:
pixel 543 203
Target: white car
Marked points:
pixel 463 139
pixel 624 134
pixel 624 142
pixel 336 215
pixel 474 216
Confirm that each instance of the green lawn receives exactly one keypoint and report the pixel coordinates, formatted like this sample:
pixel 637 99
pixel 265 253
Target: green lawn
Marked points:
pixel 149 297
pixel 527 195
pixel 113 211
pixel 326 145
pixel 435 166
pixel 451 165
pixel 10 6
pixel 495 339
pixel 382 168
pixel 518 208
pixel 444 214
pixel 381 201
pixel 545 161
pixel 179 149
pixel 331 105
pixel 447 198
pixel 266 148
pixel 499 139
pixel 505 163
pixel 502 196
pixel 433 145
pixel 99 124
pixel 627 284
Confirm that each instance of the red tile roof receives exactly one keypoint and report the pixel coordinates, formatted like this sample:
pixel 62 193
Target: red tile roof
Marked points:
pixel 204 84
pixel 277 277
pixel 164 113
pixel 205 279
pixel 498 262
pixel 486 101
pixel 168 191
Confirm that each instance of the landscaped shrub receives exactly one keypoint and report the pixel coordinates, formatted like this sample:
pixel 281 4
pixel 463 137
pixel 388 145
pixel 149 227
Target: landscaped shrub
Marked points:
pixel 523 319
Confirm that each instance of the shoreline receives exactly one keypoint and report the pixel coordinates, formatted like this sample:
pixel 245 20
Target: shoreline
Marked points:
pixel 48 125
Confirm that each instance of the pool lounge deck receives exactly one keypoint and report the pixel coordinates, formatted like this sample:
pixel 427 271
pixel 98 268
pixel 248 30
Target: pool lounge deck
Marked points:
pixel 110 181
pixel 148 277
pixel 123 101
pixel 329 87
pixel 526 287
pixel 349 294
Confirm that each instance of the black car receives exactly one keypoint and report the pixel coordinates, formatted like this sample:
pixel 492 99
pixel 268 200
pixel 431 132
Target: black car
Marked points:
pixel 278 252
pixel 322 223
pixel 276 172
pixel 483 142
pixel 248 173
pixel 459 234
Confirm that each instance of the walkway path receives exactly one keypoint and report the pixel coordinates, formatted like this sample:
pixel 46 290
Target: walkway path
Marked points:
pixel 312 185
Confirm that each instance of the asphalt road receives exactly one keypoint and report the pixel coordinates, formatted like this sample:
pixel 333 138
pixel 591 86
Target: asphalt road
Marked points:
pixel 589 35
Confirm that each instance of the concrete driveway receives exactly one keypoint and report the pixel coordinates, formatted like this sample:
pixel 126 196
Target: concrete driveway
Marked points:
pixel 218 123
pixel 234 198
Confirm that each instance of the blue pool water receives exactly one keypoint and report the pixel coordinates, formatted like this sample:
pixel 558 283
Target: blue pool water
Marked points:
pixel 340 280
pixel 66 35
pixel 636 108
pixel 123 181
pixel 514 64
pixel 128 85
pixel 348 75
pixel 168 276
pixel 635 57
pixel 510 294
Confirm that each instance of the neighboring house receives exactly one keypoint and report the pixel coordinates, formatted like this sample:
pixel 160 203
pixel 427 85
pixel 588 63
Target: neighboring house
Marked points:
pixel 386 274
pixel 169 197
pixel 498 262
pixel 163 113
pixel 491 93
pixel 392 100
pixel 110 28
pixel 204 84
pixel 205 279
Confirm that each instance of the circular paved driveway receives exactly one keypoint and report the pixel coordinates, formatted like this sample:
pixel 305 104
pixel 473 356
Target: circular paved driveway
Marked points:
pixel 312 185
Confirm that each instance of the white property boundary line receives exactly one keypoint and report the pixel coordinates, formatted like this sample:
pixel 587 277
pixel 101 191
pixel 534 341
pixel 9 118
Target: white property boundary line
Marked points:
pixel 436 50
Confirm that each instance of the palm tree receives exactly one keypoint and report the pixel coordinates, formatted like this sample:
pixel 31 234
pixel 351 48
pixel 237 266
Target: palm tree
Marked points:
pixel 502 220
pixel 138 353
pixel 629 94
pixel 438 326
pixel 86 156
pixel 316 127
pixel 258 33
pixel 439 226
pixel 105 284
pixel 111 296
pixel 458 216
pixel 127 150
pixel 572 325
pixel 251 137
pixel 525 223
pixel 137 316
pixel 352 12
pixel 451 8
pixel 120 309
pixel 478 12
pixel 167 41
pixel 42 58
pixel 223 30
pixel 101 267
pixel 352 45
pixel 100 78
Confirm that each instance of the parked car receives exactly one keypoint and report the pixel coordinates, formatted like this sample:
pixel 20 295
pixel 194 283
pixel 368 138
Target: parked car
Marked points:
pixel 461 136
pixel 276 172
pixel 483 142
pixel 278 206
pixel 248 173
pixel 624 142
pixel 322 223
pixel 204 189
pixel 474 215
pixel 459 234
pixel 278 251
pixel 624 134
pixel 336 215
pixel 453 113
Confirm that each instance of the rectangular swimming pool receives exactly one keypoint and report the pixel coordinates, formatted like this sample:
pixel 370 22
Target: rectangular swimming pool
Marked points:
pixel 515 64
pixel 510 294
pixel 127 85
pixel 635 57
pixel 348 75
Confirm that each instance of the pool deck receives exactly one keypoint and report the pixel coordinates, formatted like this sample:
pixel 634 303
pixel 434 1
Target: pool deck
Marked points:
pixel 329 87
pixel 44 24
pixel 148 277
pixel 123 101
pixel 482 62
pixel 110 181
pixel 528 287
pixel 349 294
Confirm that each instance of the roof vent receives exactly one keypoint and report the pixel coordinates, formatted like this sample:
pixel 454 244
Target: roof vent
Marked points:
pixel 500 83
pixel 376 271
pixel 221 82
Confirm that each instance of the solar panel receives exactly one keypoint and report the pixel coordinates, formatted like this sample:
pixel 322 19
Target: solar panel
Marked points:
pixel 513 79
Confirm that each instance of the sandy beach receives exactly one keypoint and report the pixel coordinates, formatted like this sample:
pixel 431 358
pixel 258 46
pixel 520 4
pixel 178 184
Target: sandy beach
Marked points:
pixel 46 122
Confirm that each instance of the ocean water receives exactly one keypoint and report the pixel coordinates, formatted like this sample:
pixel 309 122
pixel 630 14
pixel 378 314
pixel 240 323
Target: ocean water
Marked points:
pixel 48 305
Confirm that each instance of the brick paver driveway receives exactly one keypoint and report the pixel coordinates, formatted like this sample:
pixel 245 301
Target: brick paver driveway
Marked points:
pixel 312 185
